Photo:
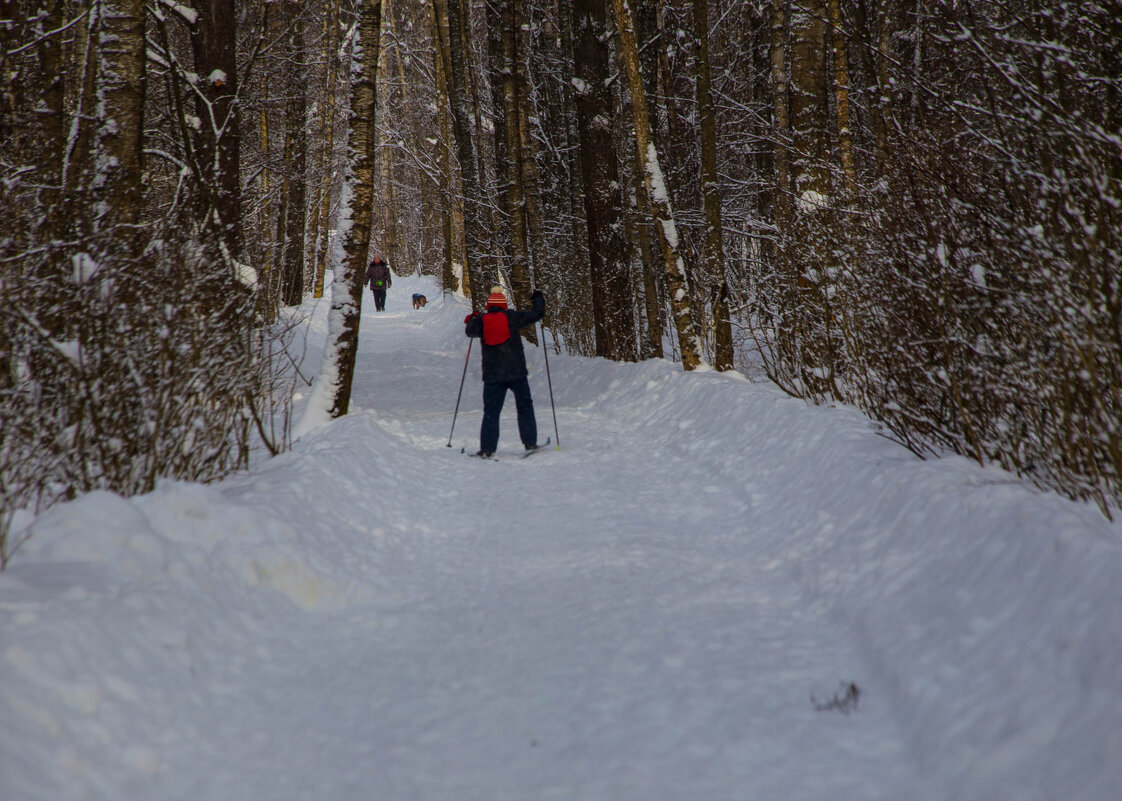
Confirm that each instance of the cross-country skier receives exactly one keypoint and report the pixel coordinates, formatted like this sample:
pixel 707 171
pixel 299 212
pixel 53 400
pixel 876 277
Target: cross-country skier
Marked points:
pixel 504 366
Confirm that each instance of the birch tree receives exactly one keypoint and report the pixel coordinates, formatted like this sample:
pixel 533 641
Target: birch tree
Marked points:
pixel 674 266
pixel 114 309
pixel 332 393
pixel 121 49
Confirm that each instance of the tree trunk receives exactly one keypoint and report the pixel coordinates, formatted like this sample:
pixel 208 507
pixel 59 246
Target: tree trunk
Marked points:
pixel 711 193
pixel 267 270
pixel 8 102
pixel 531 175
pixel 497 18
pixel 393 249
pixel 875 93
pixel 346 294
pixel 94 182
pixel 321 213
pixel 52 66
pixel 515 191
pixel 663 79
pixel 661 211
pixel 783 310
pixel 780 105
pixel 810 139
pixel 66 154
pixel 612 302
pixel 441 69
pixel 296 148
pixel 574 195
pixel 214 43
pixel 650 345
pixel 121 82
pixel 474 239
pixel 489 250
pixel 809 127
pixel 841 101
pixel 638 233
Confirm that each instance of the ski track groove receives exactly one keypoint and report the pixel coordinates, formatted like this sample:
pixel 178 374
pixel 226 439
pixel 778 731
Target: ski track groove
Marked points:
pixel 764 649
pixel 482 634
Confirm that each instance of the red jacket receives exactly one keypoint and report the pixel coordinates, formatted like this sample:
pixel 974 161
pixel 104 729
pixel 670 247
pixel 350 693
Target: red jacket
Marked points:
pixel 506 361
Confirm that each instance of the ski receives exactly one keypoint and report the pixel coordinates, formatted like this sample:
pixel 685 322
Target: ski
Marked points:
pixel 538 449
pixel 491 458
pixel 494 458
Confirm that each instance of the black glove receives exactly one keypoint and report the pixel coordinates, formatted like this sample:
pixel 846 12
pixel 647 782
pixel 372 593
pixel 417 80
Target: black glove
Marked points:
pixel 537 293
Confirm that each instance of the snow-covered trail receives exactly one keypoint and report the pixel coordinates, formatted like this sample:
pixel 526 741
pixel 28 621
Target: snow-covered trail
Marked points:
pixel 592 602
pixel 643 614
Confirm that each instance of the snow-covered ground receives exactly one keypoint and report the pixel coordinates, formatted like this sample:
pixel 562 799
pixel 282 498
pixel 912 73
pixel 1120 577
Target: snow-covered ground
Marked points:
pixel 656 611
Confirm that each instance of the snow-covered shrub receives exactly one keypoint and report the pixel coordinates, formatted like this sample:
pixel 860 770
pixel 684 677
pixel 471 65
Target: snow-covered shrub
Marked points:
pixel 120 372
pixel 984 288
pixel 965 286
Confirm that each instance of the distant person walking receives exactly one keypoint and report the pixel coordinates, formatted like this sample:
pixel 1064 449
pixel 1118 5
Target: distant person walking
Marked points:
pixel 379 278
pixel 504 367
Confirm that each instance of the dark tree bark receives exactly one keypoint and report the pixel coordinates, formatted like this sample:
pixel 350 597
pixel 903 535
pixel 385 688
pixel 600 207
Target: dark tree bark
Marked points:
pixel 218 141
pixel 296 149
pixel 711 191
pixel 321 213
pixel 460 92
pixel 8 101
pixel 612 301
pixel 442 65
pixel 515 190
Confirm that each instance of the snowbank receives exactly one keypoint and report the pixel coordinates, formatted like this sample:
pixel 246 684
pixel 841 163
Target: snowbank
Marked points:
pixel 643 614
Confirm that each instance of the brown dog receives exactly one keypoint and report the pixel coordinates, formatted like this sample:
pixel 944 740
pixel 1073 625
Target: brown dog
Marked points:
pixel 419 301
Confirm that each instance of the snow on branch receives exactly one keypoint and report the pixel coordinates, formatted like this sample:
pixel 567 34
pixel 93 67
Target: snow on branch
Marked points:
pixel 49 34
pixel 188 14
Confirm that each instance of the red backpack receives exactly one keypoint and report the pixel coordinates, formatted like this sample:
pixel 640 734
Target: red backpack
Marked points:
pixel 496 328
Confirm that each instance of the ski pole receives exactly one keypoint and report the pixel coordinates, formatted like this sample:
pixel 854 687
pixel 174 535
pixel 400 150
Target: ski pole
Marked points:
pixel 549 381
pixel 460 393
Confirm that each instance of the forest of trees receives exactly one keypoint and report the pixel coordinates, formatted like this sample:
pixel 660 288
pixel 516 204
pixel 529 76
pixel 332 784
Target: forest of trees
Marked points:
pixel 912 207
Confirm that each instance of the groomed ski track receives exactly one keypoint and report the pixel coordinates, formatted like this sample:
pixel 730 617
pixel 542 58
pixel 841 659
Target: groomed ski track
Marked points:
pixel 648 614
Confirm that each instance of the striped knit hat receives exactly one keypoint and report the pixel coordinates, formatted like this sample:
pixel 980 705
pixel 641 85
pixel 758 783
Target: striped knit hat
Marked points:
pixel 496 298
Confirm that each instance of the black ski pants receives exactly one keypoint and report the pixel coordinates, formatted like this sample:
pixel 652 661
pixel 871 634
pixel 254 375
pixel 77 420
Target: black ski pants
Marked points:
pixel 493 397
